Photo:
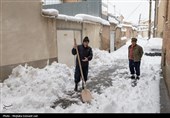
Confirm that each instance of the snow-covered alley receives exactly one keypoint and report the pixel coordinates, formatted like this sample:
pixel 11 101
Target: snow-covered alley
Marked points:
pixel 50 90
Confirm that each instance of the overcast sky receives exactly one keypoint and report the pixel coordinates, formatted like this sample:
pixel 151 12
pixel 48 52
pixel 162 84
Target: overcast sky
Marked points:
pixel 131 9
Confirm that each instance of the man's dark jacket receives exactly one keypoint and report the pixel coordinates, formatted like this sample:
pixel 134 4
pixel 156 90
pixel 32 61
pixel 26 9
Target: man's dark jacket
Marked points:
pixel 83 52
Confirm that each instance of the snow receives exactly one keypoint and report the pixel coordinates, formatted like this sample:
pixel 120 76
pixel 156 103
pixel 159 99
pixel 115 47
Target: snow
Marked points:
pixel 69 18
pixel 134 28
pixel 51 12
pixel 124 25
pixel 104 4
pixel 113 20
pixel 76 18
pixel 86 17
pixel 48 2
pixel 29 89
pixel 124 38
pixel 33 90
pixel 123 29
pixel 83 17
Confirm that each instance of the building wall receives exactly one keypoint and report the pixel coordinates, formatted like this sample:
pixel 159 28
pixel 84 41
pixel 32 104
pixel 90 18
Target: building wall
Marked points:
pixel 166 49
pixel 134 33
pixel 105 42
pixel 112 37
pixel 0 34
pixel 90 7
pixel 161 13
pixel 129 32
pixel 119 34
pixel 118 41
pixel 144 34
pixel 66 32
pixel 27 36
pixel 93 31
pixel 69 25
pixel 65 39
pixel 113 26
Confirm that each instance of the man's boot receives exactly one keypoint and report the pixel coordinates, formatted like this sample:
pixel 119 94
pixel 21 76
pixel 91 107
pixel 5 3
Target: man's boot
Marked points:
pixel 76 87
pixel 133 76
pixel 137 78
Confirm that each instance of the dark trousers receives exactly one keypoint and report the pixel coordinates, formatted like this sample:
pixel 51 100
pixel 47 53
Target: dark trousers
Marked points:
pixel 134 67
pixel 77 74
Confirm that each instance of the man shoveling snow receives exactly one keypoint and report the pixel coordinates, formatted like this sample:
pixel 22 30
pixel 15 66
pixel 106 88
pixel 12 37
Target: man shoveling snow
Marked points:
pixel 86 55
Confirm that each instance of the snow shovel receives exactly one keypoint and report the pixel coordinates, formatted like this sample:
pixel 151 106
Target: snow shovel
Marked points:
pixel 85 94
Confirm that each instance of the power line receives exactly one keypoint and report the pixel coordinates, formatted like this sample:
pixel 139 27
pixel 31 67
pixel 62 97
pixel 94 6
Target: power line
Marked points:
pixel 133 11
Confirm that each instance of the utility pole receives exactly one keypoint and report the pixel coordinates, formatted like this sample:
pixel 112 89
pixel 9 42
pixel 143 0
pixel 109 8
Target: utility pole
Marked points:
pixel 156 18
pixel 107 10
pixel 150 16
pixel 139 19
pixel 114 10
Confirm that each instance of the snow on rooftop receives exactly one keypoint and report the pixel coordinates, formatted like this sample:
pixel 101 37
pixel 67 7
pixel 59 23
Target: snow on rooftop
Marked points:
pixel 104 4
pixel 134 28
pixel 123 29
pixel 113 15
pixel 69 18
pixel 113 20
pixel 78 17
pixel 86 17
pixel 50 12
pixel 125 25
pixel 124 38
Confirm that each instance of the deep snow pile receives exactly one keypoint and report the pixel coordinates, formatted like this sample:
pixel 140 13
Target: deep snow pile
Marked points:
pixel 34 90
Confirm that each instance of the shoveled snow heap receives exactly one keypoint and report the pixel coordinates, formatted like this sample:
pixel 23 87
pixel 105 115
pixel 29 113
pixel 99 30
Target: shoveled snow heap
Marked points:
pixel 30 90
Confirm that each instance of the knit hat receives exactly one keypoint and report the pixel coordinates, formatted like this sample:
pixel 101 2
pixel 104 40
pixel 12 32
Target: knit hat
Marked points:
pixel 134 40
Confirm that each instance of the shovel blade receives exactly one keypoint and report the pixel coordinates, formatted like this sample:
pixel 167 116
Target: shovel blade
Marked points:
pixel 86 95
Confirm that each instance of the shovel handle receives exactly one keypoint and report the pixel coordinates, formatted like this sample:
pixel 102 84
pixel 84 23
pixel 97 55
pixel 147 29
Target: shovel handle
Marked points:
pixel 79 62
pixel 75 41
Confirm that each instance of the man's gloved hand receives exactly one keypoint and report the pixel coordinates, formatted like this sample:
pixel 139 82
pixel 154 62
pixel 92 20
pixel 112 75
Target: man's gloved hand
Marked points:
pixel 85 60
